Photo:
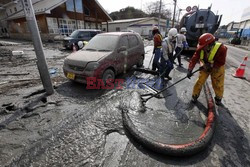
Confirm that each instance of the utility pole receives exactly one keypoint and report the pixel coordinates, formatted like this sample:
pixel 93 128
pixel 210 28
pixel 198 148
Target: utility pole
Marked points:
pixel 175 1
pixel 41 61
pixel 179 16
pixel 159 18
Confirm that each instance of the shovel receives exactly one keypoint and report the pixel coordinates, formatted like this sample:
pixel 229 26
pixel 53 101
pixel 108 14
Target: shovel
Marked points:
pixel 156 94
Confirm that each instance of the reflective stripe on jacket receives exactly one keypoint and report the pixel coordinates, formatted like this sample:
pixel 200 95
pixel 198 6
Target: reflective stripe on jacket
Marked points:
pixel 210 58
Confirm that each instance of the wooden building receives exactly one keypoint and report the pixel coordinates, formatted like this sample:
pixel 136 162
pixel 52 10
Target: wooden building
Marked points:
pixel 54 17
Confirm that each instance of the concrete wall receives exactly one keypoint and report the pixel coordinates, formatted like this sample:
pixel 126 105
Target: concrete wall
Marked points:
pixel 144 28
pixel 113 27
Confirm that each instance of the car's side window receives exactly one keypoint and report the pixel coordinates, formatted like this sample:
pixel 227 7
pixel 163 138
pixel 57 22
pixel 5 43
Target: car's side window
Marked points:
pixel 92 34
pixel 83 34
pixel 133 41
pixel 124 41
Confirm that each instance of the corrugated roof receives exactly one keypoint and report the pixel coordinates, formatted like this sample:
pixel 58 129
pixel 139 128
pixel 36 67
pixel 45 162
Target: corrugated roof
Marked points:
pixel 126 20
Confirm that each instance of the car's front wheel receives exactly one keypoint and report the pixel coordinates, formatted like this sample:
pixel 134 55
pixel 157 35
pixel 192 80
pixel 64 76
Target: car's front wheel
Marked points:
pixel 108 74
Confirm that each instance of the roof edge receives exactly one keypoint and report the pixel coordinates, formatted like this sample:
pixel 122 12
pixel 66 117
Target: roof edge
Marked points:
pixel 103 10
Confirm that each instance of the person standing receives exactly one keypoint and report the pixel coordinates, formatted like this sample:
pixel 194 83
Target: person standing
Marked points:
pixel 157 47
pixel 181 44
pixel 168 45
pixel 212 56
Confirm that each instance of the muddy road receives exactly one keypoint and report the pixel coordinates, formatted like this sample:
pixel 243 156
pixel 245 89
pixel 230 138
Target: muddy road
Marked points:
pixel 79 127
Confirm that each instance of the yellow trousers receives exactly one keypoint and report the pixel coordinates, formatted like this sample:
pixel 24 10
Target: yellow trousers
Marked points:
pixel 217 77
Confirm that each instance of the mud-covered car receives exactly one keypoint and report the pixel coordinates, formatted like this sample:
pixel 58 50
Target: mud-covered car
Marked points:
pixel 79 35
pixel 105 56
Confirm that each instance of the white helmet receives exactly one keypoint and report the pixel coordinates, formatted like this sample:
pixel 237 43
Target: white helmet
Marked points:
pixel 172 33
pixel 155 28
pixel 183 29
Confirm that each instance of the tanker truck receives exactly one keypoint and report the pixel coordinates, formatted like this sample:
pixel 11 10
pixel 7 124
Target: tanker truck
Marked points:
pixel 198 21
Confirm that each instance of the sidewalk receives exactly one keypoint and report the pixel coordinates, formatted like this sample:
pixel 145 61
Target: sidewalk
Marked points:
pixel 225 41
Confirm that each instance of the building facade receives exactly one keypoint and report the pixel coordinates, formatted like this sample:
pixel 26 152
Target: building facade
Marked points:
pixel 54 17
pixel 143 26
pixel 244 27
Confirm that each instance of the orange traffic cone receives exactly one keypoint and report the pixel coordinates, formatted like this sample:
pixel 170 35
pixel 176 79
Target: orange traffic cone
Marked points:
pixel 239 73
pixel 74 48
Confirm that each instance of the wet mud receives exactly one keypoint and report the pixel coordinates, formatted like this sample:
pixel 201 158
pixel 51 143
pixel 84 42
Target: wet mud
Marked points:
pixel 78 127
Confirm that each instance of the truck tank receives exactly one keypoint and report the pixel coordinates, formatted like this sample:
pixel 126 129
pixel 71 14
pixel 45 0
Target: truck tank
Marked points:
pixel 199 22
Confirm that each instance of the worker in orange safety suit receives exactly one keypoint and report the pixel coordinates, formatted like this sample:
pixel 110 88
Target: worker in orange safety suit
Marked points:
pixel 157 47
pixel 212 56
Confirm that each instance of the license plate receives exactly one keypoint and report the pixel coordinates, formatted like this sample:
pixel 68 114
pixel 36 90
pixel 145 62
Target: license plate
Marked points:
pixel 71 75
pixel 199 25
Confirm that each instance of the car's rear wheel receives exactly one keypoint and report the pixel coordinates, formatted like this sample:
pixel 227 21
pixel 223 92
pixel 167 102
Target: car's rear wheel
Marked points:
pixel 140 63
pixel 108 74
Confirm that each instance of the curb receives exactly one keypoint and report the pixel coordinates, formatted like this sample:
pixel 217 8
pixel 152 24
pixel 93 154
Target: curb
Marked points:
pixel 177 149
pixel 239 46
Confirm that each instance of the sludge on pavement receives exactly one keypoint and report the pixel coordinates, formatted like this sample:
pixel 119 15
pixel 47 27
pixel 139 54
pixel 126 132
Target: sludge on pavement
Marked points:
pixel 180 132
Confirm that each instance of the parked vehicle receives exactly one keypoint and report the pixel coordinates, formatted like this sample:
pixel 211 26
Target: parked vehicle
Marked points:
pixel 198 22
pixel 106 55
pixel 79 35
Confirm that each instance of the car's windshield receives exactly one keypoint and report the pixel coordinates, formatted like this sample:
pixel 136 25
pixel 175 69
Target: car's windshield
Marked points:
pixel 102 43
pixel 74 34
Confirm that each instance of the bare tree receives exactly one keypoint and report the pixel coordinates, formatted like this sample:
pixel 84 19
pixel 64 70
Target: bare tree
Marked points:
pixel 152 9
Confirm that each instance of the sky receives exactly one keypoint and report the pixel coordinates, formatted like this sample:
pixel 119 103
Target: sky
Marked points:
pixel 230 9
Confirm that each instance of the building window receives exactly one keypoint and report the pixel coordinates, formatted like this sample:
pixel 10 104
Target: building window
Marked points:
pixel 86 11
pixel 80 24
pixel 70 5
pixel 118 29
pixel 88 25
pixel 52 25
pixel 15 9
pixel 93 25
pixel 67 26
pixel 10 11
pixel 79 8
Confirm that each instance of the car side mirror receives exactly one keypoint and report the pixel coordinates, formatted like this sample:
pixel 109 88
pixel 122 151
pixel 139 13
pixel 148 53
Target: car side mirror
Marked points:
pixel 122 49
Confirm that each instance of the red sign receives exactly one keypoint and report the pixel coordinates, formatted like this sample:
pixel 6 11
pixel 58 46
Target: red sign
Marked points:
pixel 188 9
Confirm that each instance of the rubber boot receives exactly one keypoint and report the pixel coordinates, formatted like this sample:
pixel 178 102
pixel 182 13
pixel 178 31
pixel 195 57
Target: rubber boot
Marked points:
pixel 194 99
pixel 218 101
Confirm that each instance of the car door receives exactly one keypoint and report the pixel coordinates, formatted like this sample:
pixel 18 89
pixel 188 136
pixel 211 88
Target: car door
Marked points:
pixel 134 52
pixel 122 63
